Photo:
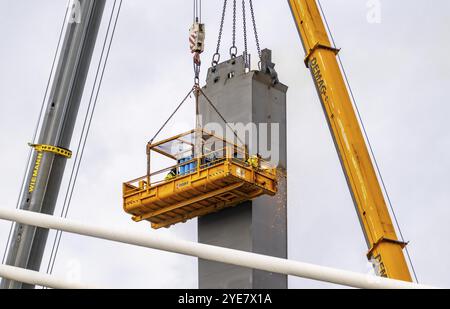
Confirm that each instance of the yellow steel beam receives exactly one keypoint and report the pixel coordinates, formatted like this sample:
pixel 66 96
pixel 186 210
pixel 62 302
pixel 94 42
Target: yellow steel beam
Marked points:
pixel 150 146
pixel 164 153
pixel 193 200
pixel 384 246
pixel 196 213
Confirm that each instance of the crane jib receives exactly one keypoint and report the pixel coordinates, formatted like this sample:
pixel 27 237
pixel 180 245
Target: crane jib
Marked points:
pixel 321 57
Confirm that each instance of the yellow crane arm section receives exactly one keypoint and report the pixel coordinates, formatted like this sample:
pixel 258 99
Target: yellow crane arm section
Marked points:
pixel 385 250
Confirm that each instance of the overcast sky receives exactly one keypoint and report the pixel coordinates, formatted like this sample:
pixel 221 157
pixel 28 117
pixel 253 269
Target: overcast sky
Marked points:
pixel 398 68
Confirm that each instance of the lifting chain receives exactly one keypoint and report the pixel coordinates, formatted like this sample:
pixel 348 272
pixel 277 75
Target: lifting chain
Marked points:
pixel 233 49
pixel 258 47
pixel 216 56
pixel 246 56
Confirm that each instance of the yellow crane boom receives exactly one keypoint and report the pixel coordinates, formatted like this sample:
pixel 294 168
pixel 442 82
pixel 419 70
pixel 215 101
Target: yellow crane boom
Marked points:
pixel 385 249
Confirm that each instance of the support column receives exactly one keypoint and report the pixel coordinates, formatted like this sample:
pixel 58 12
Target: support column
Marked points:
pixel 47 169
pixel 256 100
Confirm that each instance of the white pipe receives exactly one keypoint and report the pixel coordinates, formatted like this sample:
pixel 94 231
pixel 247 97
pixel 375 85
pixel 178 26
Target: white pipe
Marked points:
pixel 208 252
pixel 36 278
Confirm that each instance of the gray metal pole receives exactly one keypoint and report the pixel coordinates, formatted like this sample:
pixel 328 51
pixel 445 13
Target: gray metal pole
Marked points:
pixel 45 175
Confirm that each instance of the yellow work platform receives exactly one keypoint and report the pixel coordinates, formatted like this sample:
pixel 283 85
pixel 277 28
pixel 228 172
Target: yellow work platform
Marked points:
pixel 220 176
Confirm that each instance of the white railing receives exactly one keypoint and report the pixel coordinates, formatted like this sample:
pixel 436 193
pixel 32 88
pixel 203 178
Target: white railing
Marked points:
pixel 37 278
pixel 207 252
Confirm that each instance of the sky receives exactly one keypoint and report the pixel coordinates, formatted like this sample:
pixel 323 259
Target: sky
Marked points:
pixel 398 66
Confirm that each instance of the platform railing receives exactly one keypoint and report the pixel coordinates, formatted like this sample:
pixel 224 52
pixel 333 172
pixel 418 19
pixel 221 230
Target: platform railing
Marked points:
pixel 207 160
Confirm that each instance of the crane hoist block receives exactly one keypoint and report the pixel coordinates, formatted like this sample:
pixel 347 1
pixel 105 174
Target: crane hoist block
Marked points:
pixel 197 38
pixel 222 175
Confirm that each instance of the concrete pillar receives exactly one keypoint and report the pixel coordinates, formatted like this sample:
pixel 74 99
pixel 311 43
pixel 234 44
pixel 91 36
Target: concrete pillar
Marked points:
pixel 256 100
